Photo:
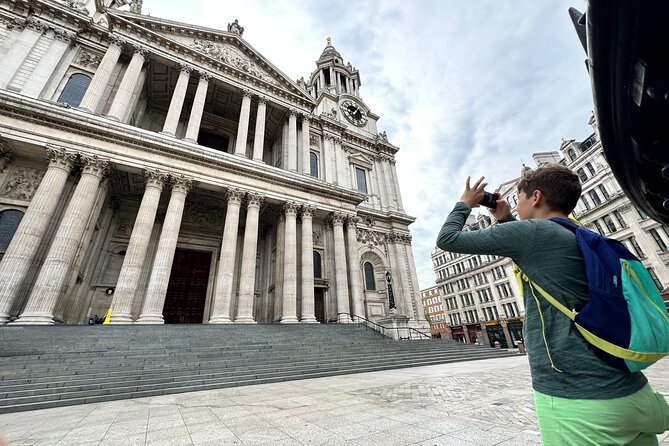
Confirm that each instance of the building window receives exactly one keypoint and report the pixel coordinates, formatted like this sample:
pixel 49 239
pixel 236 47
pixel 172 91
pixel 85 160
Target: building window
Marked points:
pixel 594 196
pixel 581 174
pixel 361 179
pixel 656 281
pixel 9 222
pixel 609 224
pixel 585 203
pixel 642 214
pixel 658 239
pixel 75 89
pixel 572 154
pixel 370 283
pixel 621 220
pixel 599 228
pixel 313 164
pixel 637 248
pixel 318 270
pixel 590 169
pixel 604 192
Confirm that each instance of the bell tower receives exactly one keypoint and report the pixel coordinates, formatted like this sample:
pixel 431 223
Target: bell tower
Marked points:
pixel 332 75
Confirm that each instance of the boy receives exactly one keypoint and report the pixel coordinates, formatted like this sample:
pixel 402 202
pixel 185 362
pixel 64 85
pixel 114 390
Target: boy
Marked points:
pixel 579 399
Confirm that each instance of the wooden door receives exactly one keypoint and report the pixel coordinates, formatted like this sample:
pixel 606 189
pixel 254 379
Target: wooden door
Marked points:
pixel 319 305
pixel 187 290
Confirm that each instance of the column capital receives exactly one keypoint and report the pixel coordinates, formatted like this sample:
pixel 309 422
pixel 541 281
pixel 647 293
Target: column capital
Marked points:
pixel 155 178
pixel 94 165
pixel 36 25
pixel 352 220
pixel 186 68
pixel 290 208
pixel 6 156
pixel 305 117
pixel 293 112
pixel 262 99
pixel 64 36
pixel 16 23
pixel 181 183
pixel 141 49
pixel 337 218
pixel 254 199
pixel 308 210
pixel 117 40
pixel 234 195
pixel 59 157
pixel 204 75
pixel 247 93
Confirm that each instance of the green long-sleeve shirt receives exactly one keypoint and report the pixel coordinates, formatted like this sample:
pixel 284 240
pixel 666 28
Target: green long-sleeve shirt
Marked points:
pixel 549 255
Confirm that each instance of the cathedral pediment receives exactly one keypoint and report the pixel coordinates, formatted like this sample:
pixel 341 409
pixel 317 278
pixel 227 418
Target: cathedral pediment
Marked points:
pixel 225 48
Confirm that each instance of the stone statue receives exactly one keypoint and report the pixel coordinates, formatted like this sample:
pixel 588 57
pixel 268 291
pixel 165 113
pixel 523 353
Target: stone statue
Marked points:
pixel 235 28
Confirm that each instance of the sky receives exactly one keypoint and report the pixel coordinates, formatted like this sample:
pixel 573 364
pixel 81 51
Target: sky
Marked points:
pixel 466 87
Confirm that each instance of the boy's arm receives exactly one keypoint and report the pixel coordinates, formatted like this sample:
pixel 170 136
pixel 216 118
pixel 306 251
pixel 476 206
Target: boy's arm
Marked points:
pixel 512 239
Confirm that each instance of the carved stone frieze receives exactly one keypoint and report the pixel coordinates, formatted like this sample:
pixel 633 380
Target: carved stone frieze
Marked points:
pixel 370 238
pixel 22 184
pixel 86 59
pixel 204 212
pixel 314 140
pixel 232 56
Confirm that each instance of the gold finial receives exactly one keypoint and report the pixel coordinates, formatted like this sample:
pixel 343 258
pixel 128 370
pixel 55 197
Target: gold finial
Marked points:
pixel 328 40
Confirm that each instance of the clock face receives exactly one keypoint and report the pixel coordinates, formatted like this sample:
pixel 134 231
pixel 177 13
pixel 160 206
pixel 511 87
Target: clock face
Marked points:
pixel 353 113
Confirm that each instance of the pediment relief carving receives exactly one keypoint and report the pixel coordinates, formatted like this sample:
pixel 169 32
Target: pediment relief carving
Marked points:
pixel 358 158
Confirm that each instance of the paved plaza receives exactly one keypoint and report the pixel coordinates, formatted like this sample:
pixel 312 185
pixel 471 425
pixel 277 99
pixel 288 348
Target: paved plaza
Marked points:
pixel 487 402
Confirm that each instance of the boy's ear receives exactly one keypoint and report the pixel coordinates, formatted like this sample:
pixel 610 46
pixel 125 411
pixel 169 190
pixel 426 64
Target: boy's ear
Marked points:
pixel 537 198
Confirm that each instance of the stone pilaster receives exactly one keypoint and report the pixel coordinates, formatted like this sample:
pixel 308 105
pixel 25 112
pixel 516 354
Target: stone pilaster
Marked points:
pixel 133 262
pixel 102 76
pixel 226 264
pixel 292 140
pixel 30 232
pixel 343 311
pixel 328 153
pixel 195 119
pixel 152 310
pixel 47 64
pixel 119 107
pixel 353 262
pixel 259 136
pixel 396 184
pixel 177 102
pixel 307 313
pixel 306 158
pixel 248 272
pixel 289 315
pixel 243 127
pixel 55 273
pixel 19 50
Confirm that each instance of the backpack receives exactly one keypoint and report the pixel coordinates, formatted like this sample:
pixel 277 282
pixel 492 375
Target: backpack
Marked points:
pixel 624 319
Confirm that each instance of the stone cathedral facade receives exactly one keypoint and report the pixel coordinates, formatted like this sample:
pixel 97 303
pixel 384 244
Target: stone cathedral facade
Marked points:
pixel 174 174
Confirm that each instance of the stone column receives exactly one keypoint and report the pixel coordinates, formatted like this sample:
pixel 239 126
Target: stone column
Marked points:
pixel 177 102
pixel 102 75
pixel 289 314
pixel 135 256
pixel 30 232
pixel 196 111
pixel 353 262
pixel 243 127
pixel 152 310
pixel 47 65
pixel 306 152
pixel 381 187
pixel 55 273
pixel 248 274
pixel 396 183
pixel 226 264
pixel 259 135
pixel 119 106
pixel 307 313
pixel 328 150
pixel 339 162
pixel 20 49
pixel 292 141
pixel 343 310
pixel 389 185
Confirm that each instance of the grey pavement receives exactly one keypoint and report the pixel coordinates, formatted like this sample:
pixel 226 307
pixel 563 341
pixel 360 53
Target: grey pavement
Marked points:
pixel 486 403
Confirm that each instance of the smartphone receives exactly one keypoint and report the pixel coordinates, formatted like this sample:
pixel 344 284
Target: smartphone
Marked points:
pixel 489 200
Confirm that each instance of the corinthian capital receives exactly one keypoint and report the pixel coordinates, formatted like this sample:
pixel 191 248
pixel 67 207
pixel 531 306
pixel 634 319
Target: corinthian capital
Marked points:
pixel 290 208
pixel 117 40
pixel 181 183
pixel 60 158
pixel 94 165
pixel 337 218
pixel 234 196
pixel 308 211
pixel 155 178
pixel 254 199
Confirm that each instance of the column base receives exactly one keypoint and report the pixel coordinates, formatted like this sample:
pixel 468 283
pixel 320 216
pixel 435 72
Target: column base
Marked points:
pixel 344 319
pixel 259 160
pixel 289 320
pixel 245 320
pixel 309 320
pixel 122 318
pixel 220 320
pixel 5 318
pixel 150 319
pixel 113 118
pixel 166 133
pixel 190 140
pixel 34 319
pixel 243 155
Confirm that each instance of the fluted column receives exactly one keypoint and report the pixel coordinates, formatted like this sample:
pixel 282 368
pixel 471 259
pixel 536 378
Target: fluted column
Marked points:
pixel 119 106
pixel 102 76
pixel 353 262
pixel 341 280
pixel 152 310
pixel 30 232
pixel 307 313
pixel 306 153
pixel 292 140
pixel 226 264
pixel 247 277
pixel 177 102
pixel 259 138
pixel 196 111
pixel 243 127
pixel 289 315
pixel 55 273
pixel 135 256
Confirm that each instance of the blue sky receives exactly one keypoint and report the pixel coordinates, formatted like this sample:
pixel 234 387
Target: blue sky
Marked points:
pixel 467 87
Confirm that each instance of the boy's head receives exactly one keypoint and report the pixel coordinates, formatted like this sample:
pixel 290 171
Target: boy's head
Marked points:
pixel 551 188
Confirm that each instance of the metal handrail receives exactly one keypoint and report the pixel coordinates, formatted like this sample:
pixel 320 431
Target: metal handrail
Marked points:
pixel 382 329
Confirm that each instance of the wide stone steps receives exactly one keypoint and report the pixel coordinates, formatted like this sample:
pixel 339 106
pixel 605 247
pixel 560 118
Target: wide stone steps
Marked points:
pixel 43 367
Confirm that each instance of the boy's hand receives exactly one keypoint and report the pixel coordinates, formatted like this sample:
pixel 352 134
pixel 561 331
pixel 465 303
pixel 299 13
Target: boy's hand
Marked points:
pixel 472 195
pixel 502 212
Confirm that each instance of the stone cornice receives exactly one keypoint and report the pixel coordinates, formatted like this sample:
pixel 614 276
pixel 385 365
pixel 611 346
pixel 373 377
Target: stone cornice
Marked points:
pixel 50 115
pixel 146 29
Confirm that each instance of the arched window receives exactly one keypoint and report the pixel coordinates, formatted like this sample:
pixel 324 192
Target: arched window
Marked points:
pixel 581 174
pixel 370 282
pixel 75 89
pixel 317 265
pixel 9 221
pixel 572 154
pixel 313 163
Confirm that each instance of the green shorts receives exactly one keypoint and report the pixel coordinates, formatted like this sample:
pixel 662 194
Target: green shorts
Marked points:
pixel 631 420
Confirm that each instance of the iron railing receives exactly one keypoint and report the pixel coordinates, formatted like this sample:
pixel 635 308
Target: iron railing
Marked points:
pixel 401 333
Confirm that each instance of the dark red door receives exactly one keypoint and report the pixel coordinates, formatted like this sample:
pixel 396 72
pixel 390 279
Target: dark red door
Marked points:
pixel 187 290
pixel 319 305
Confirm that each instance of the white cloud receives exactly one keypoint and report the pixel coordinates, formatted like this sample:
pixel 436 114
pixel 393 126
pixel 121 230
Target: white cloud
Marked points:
pixel 463 87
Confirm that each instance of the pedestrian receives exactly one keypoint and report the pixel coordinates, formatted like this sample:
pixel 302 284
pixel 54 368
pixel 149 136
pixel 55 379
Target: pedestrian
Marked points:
pixel 579 399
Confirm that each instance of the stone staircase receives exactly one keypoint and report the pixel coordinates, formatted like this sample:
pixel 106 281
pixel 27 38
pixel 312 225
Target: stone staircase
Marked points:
pixel 42 367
